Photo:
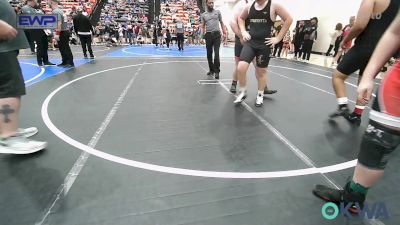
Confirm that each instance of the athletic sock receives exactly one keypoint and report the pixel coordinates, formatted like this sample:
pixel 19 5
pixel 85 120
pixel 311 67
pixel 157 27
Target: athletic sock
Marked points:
pixel 342 102
pixel 358 110
pixel 358 188
pixel 260 93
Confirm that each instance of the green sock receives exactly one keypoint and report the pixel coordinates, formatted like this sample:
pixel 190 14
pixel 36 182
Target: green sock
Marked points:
pixel 358 188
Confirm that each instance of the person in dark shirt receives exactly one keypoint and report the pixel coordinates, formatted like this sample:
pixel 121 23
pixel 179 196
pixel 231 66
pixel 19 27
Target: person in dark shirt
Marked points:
pixel 310 35
pixel 278 47
pixel 84 29
pixel 13 140
pixel 298 40
pixel 168 38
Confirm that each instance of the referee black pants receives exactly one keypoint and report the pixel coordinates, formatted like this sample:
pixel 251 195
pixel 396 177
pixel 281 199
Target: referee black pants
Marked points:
pixel 213 42
pixel 30 38
pixel 42 47
pixel 65 50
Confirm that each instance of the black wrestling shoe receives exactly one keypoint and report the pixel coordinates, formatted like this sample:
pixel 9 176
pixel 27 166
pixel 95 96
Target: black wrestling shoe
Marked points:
pixel 345 196
pixel 233 88
pixel 342 111
pixel 269 91
pixel 353 118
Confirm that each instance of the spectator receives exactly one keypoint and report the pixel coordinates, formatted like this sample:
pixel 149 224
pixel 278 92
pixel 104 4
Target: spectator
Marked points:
pixel 334 36
pixel 84 30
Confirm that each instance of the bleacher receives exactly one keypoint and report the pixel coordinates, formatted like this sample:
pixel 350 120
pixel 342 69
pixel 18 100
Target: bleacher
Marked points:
pixel 67 5
pixel 126 10
pixel 187 11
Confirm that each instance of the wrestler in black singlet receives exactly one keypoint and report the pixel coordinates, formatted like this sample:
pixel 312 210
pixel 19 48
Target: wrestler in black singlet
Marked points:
pixel 358 56
pixel 260 24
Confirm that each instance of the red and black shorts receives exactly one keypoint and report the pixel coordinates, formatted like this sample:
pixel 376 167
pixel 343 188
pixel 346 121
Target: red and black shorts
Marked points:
pixel 386 107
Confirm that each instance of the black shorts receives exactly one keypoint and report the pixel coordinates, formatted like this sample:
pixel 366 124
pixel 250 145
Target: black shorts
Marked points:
pixel 256 49
pixel 238 47
pixel 356 58
pixel 180 37
pixel 12 83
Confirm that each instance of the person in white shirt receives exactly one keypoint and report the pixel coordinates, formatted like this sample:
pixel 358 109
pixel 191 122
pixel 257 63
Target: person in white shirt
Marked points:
pixel 334 35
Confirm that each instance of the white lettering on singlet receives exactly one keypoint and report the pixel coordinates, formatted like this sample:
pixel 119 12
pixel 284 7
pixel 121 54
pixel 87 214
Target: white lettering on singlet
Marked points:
pixel 377 16
pixel 258 20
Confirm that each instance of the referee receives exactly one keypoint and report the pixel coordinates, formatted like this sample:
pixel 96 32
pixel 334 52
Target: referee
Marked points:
pixel 63 36
pixel 210 23
pixel 38 35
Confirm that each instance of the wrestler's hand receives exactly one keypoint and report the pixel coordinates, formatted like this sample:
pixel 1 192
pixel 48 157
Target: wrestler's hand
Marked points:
pixel 365 89
pixel 241 40
pixel 272 41
pixel 246 36
pixel 343 45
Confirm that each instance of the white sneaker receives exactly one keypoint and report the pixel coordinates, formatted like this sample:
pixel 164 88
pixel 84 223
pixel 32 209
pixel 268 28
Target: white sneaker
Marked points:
pixel 20 145
pixel 27 132
pixel 241 97
pixel 259 100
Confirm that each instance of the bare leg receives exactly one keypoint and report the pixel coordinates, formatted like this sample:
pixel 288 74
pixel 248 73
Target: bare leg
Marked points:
pixel 365 176
pixel 241 73
pixel 261 74
pixel 235 74
pixel 338 84
pixel 9 110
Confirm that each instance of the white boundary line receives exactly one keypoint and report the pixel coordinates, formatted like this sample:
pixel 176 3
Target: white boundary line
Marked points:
pixel 303 157
pixel 305 64
pixel 317 74
pixel 313 66
pixel 81 161
pixel 194 50
pixel 42 70
pixel 80 52
pixel 158 56
pixel 172 170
